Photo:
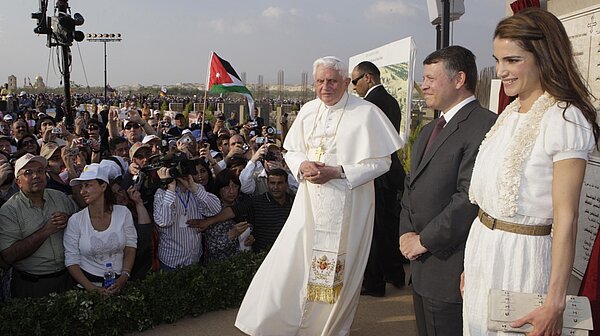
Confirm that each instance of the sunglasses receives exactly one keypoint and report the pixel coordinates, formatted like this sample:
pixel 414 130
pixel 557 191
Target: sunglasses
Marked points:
pixel 355 80
pixel 130 126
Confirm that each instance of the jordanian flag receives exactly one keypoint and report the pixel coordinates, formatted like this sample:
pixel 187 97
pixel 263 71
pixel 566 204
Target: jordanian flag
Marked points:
pixel 222 78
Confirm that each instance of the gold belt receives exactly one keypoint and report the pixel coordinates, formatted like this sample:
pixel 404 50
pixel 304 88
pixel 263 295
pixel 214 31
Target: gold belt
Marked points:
pixel 530 230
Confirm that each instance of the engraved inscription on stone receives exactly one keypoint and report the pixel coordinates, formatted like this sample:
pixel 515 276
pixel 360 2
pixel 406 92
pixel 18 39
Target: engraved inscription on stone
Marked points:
pixel 583 28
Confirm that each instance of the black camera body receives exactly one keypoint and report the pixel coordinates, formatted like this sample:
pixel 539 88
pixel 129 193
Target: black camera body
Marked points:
pixel 178 166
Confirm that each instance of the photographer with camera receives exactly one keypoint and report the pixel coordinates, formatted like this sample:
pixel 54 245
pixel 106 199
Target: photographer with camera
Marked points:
pixel 134 127
pixel 254 176
pixel 183 199
pixel 187 144
pixel 48 130
pixel 237 147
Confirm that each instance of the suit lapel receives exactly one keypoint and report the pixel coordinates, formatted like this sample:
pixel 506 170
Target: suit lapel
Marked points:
pixel 448 130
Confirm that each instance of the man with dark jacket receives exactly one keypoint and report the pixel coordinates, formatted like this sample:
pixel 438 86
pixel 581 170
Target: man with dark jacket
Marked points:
pixel 385 261
pixel 436 213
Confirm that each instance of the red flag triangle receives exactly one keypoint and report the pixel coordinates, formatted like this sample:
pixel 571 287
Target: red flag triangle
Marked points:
pixel 218 73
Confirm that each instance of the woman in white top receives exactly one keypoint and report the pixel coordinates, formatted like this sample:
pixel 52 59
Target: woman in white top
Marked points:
pixel 528 175
pixel 100 233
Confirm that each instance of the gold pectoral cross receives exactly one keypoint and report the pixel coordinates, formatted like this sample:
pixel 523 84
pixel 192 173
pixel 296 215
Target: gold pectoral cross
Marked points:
pixel 320 151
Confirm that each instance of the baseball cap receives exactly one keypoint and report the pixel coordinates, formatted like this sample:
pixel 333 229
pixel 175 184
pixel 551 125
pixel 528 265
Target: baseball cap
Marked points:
pixel 91 172
pixel 8 117
pixel 48 149
pixel 25 159
pixel 113 169
pixel 136 146
pixel 149 138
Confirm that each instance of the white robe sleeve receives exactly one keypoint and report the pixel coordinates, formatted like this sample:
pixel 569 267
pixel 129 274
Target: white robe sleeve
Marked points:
pixel 293 159
pixel 366 170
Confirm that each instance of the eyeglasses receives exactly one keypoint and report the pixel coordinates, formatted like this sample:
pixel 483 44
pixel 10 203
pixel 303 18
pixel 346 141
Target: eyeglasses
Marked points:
pixel 30 172
pixel 28 143
pixel 355 80
pixel 92 127
pixel 130 126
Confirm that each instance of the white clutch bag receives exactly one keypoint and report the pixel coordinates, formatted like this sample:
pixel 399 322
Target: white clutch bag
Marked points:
pixel 506 306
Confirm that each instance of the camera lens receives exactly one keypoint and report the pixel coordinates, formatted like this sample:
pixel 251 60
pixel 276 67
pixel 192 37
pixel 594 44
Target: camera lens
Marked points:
pixel 174 172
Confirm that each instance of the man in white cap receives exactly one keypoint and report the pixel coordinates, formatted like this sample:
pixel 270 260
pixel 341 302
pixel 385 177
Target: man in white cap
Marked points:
pixel 154 142
pixel 31 234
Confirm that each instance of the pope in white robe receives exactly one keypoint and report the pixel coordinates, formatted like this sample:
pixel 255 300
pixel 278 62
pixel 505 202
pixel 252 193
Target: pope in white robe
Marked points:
pixel 309 283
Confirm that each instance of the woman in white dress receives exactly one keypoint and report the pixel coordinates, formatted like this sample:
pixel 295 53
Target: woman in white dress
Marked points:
pixel 528 175
pixel 102 232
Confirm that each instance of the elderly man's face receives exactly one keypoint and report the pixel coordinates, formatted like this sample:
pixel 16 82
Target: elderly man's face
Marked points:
pixel 330 85
pixel 31 178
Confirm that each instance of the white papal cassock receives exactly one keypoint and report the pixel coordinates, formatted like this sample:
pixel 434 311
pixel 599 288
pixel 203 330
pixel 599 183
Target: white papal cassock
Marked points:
pixel 357 135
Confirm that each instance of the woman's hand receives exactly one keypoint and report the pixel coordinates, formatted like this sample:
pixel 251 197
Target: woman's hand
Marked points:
pixel 546 320
pixel 249 240
pixel 237 230
pixel 119 284
pixel 134 195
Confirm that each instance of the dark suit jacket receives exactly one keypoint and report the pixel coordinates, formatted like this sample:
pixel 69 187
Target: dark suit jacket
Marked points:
pixel 392 182
pixel 436 204
pixel 388 104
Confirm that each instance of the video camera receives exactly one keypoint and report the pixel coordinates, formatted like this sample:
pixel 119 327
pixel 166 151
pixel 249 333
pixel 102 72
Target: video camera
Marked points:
pixel 177 163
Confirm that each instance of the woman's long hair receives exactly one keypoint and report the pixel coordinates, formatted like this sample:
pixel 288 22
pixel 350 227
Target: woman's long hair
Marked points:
pixel 542 34
pixel 109 196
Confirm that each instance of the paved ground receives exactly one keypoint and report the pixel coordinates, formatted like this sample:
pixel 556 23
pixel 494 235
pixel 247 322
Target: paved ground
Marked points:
pixel 390 315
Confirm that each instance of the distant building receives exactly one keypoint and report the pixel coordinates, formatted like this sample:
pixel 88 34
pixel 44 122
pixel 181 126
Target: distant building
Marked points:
pixel 12 83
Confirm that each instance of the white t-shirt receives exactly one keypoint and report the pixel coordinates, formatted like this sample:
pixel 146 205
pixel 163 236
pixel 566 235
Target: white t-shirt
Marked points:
pixel 91 249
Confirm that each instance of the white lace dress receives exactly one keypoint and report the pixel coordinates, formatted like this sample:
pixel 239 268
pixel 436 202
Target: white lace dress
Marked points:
pixel 518 191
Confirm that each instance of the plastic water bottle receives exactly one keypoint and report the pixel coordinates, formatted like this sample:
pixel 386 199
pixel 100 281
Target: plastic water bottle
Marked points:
pixel 109 276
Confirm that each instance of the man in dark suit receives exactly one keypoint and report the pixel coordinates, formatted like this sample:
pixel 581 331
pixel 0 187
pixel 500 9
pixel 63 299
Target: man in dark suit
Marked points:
pixel 436 213
pixel 385 261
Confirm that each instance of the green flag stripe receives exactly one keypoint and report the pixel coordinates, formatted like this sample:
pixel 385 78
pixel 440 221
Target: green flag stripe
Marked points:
pixel 218 88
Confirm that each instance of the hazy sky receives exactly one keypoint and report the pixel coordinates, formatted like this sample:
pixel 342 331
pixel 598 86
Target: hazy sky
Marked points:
pixel 168 42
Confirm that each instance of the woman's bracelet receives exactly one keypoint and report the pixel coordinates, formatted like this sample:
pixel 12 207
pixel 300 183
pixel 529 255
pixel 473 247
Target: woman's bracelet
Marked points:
pixel 126 272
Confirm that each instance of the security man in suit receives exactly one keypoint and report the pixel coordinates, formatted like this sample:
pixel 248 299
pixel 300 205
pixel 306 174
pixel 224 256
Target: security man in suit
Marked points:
pixel 385 261
pixel 436 213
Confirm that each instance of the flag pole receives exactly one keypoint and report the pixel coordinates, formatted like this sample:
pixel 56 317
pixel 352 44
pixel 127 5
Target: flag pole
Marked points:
pixel 206 88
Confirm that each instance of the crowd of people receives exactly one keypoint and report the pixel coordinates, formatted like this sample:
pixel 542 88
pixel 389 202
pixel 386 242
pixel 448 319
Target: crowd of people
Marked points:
pixel 136 188
pixel 489 203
